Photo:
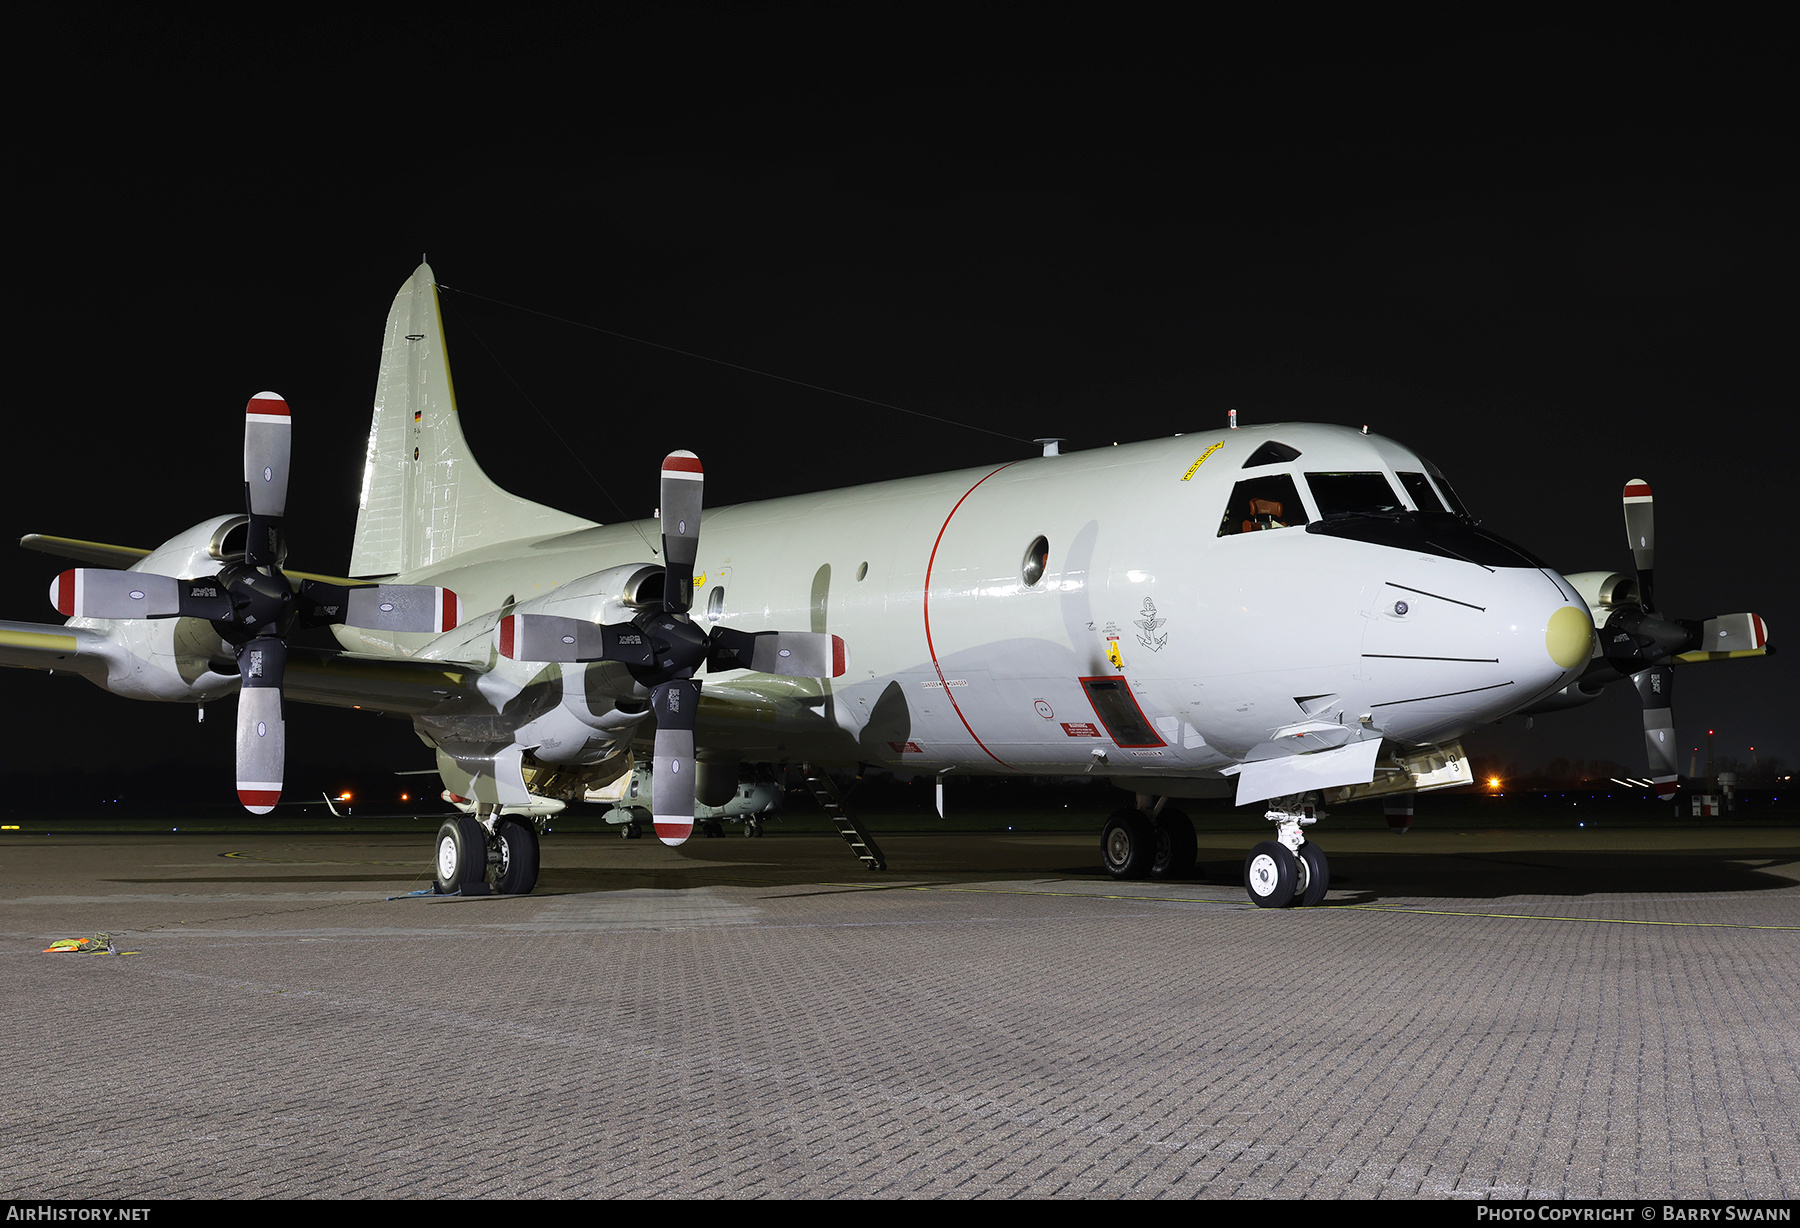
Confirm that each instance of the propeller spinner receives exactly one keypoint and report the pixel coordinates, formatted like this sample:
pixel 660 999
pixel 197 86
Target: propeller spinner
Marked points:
pixel 663 649
pixel 254 606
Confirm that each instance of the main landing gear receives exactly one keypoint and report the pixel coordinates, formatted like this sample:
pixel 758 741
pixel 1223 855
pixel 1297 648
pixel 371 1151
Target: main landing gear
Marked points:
pixel 1154 842
pixel 491 854
pixel 1158 841
pixel 1289 869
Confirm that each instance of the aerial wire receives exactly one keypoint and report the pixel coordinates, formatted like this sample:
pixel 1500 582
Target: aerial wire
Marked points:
pixel 740 367
pixel 567 447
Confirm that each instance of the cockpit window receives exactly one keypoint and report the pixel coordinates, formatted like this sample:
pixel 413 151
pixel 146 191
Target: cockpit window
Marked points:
pixel 1344 494
pixel 1443 484
pixel 1271 502
pixel 1424 498
pixel 1271 453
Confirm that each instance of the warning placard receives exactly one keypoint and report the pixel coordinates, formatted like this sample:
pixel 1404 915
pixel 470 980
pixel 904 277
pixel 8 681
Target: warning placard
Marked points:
pixel 1081 729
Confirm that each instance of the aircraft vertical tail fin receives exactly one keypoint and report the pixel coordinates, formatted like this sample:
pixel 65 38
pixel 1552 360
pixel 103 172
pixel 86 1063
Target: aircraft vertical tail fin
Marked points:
pixel 424 499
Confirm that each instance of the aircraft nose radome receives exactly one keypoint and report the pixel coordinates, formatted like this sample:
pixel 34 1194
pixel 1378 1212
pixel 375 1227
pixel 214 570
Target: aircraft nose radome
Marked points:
pixel 1569 636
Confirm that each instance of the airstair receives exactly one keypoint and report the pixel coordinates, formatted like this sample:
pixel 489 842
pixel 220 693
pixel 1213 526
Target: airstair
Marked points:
pixel 832 803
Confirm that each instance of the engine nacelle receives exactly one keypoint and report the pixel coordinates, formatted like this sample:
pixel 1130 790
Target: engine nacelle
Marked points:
pixel 1604 591
pixel 172 659
pixel 566 714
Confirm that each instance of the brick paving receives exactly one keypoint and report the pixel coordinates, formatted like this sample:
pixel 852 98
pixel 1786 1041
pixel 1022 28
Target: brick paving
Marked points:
pixel 990 1019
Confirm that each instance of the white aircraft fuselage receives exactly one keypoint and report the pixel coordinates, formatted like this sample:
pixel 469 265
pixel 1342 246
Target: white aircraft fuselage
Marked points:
pixel 1251 645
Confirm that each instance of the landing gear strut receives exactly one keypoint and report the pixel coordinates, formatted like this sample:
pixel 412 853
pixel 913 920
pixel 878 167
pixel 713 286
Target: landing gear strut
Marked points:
pixel 1289 869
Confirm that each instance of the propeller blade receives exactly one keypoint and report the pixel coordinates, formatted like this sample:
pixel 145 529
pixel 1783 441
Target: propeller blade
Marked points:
pixel 1656 687
pixel 261 733
pixel 1733 633
pixel 1640 532
pixel 683 491
pixel 380 607
pixel 268 440
pixel 552 637
pixel 797 654
pixel 676 704
pixel 95 592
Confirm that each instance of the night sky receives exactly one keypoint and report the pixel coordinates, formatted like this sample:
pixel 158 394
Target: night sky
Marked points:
pixel 1550 259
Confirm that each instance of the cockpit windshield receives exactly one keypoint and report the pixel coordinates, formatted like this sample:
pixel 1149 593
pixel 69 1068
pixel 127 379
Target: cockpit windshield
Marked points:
pixel 1443 484
pixel 1419 487
pixel 1270 502
pixel 1346 494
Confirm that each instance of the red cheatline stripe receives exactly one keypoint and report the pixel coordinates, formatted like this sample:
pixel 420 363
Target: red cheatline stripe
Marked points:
pixel 686 464
pixel 931 647
pixel 1637 490
pixel 506 634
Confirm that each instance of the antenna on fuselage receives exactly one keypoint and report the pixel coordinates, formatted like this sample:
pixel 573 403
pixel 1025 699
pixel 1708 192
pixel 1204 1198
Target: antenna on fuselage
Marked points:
pixel 1233 417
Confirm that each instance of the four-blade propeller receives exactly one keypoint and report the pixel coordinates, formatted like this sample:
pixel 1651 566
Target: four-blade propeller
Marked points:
pixel 254 606
pixel 1639 642
pixel 663 649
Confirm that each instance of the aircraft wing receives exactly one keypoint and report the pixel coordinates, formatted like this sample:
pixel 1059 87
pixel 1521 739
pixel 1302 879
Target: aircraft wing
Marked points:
pixel 88 552
pixel 122 557
pixel 404 686
pixel 314 675
pixel 54 646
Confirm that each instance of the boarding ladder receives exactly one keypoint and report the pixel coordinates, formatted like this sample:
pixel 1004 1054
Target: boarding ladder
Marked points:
pixel 832 803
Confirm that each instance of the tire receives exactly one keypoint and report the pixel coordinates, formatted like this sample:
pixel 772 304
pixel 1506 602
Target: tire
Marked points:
pixel 1128 844
pixel 518 857
pixel 1176 845
pixel 1270 875
pixel 461 857
pixel 1318 875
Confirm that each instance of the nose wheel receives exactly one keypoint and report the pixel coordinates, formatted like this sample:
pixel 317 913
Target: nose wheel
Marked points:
pixel 1290 869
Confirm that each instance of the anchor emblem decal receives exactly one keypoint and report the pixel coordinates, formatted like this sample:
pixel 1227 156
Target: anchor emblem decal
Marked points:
pixel 1150 622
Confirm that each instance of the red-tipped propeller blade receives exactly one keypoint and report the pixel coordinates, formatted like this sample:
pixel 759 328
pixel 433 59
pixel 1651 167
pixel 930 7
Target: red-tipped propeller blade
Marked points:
pixel 261 733
pixel 268 442
pixel 683 494
pixel 676 704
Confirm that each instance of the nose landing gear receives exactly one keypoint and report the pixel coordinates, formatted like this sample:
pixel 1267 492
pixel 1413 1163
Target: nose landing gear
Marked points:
pixel 1289 869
